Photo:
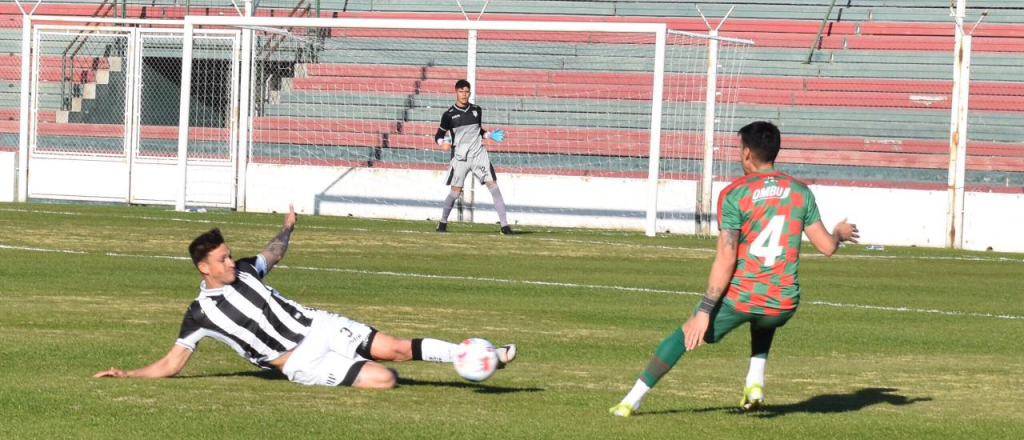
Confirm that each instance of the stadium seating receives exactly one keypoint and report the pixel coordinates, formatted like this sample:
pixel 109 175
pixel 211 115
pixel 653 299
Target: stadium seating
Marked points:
pixel 874 100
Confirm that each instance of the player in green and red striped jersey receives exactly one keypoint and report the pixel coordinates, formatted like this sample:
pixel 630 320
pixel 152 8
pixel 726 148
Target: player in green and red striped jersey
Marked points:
pixel 761 217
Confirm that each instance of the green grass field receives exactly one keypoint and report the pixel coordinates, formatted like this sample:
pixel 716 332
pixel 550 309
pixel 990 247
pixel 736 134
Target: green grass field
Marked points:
pixel 898 344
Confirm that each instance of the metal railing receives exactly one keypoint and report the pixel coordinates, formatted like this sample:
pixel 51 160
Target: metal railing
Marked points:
pixel 303 8
pixel 269 73
pixel 817 38
pixel 67 85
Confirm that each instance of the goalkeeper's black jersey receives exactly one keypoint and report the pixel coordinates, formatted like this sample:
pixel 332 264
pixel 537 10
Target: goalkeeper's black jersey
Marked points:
pixel 465 125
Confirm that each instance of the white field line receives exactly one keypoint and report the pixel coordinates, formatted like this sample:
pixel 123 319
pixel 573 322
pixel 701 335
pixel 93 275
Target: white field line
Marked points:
pixel 913 310
pixel 171 219
pixel 32 249
pixel 36 211
pixel 548 284
pixel 558 240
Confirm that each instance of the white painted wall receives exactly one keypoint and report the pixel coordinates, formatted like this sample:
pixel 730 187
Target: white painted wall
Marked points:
pixel 565 201
pixel 884 216
pixel 8 176
pixel 994 220
pixel 92 179
pixel 207 184
pixel 210 183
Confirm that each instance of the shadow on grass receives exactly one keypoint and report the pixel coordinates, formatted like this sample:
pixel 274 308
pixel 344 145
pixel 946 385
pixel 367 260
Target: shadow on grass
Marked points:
pixel 823 404
pixel 522 232
pixel 476 387
pixel 262 374
pixel 481 231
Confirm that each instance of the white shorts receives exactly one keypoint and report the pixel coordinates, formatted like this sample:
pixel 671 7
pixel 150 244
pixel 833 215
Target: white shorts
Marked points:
pixel 332 353
pixel 480 166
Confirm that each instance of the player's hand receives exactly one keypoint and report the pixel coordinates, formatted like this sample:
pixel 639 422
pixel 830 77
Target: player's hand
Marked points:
pixel 846 231
pixel 446 144
pixel 497 135
pixel 112 372
pixel 694 329
pixel 289 219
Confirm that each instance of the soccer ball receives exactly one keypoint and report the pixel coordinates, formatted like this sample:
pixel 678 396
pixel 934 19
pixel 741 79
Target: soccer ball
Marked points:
pixel 475 359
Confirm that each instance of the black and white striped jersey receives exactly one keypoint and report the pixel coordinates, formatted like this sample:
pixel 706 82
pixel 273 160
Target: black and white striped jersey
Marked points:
pixel 247 315
pixel 467 131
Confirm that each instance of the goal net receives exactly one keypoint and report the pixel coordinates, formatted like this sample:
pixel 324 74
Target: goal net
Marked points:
pixel 344 115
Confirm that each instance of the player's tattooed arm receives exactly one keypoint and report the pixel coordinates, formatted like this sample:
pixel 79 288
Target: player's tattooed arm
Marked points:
pixel 731 238
pixel 711 298
pixel 721 271
pixel 278 245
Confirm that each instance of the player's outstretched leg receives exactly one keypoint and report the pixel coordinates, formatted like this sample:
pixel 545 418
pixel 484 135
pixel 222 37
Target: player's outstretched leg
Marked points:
pixel 753 390
pixel 665 357
pixel 389 348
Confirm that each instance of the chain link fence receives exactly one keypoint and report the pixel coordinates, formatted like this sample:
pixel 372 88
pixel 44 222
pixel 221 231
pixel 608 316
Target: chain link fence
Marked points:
pixel 82 82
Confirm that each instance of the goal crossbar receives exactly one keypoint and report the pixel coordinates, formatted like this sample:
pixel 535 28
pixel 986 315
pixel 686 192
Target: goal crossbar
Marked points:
pixel 557 26
pixel 712 37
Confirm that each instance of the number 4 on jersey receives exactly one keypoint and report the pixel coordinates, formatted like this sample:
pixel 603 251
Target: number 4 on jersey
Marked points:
pixel 766 244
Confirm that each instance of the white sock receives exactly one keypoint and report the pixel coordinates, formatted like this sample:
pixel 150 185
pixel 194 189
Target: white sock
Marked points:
pixel 432 350
pixel 756 373
pixel 638 392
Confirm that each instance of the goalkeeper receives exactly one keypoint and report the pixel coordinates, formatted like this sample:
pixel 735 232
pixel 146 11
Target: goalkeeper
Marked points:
pixel 462 133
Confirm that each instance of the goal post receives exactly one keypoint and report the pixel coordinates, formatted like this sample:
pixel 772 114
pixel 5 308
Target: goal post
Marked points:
pixel 23 123
pixel 584 103
pixel 653 173
pixel 183 112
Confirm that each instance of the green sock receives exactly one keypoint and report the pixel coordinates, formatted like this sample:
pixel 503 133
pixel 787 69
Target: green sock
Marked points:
pixel 665 357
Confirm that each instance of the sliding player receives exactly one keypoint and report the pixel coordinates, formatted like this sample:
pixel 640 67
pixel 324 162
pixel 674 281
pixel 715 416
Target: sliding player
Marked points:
pixel 311 347
pixel 463 122
pixel 754 277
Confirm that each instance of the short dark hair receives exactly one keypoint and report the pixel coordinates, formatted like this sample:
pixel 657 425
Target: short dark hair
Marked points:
pixel 462 83
pixel 204 244
pixel 763 139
